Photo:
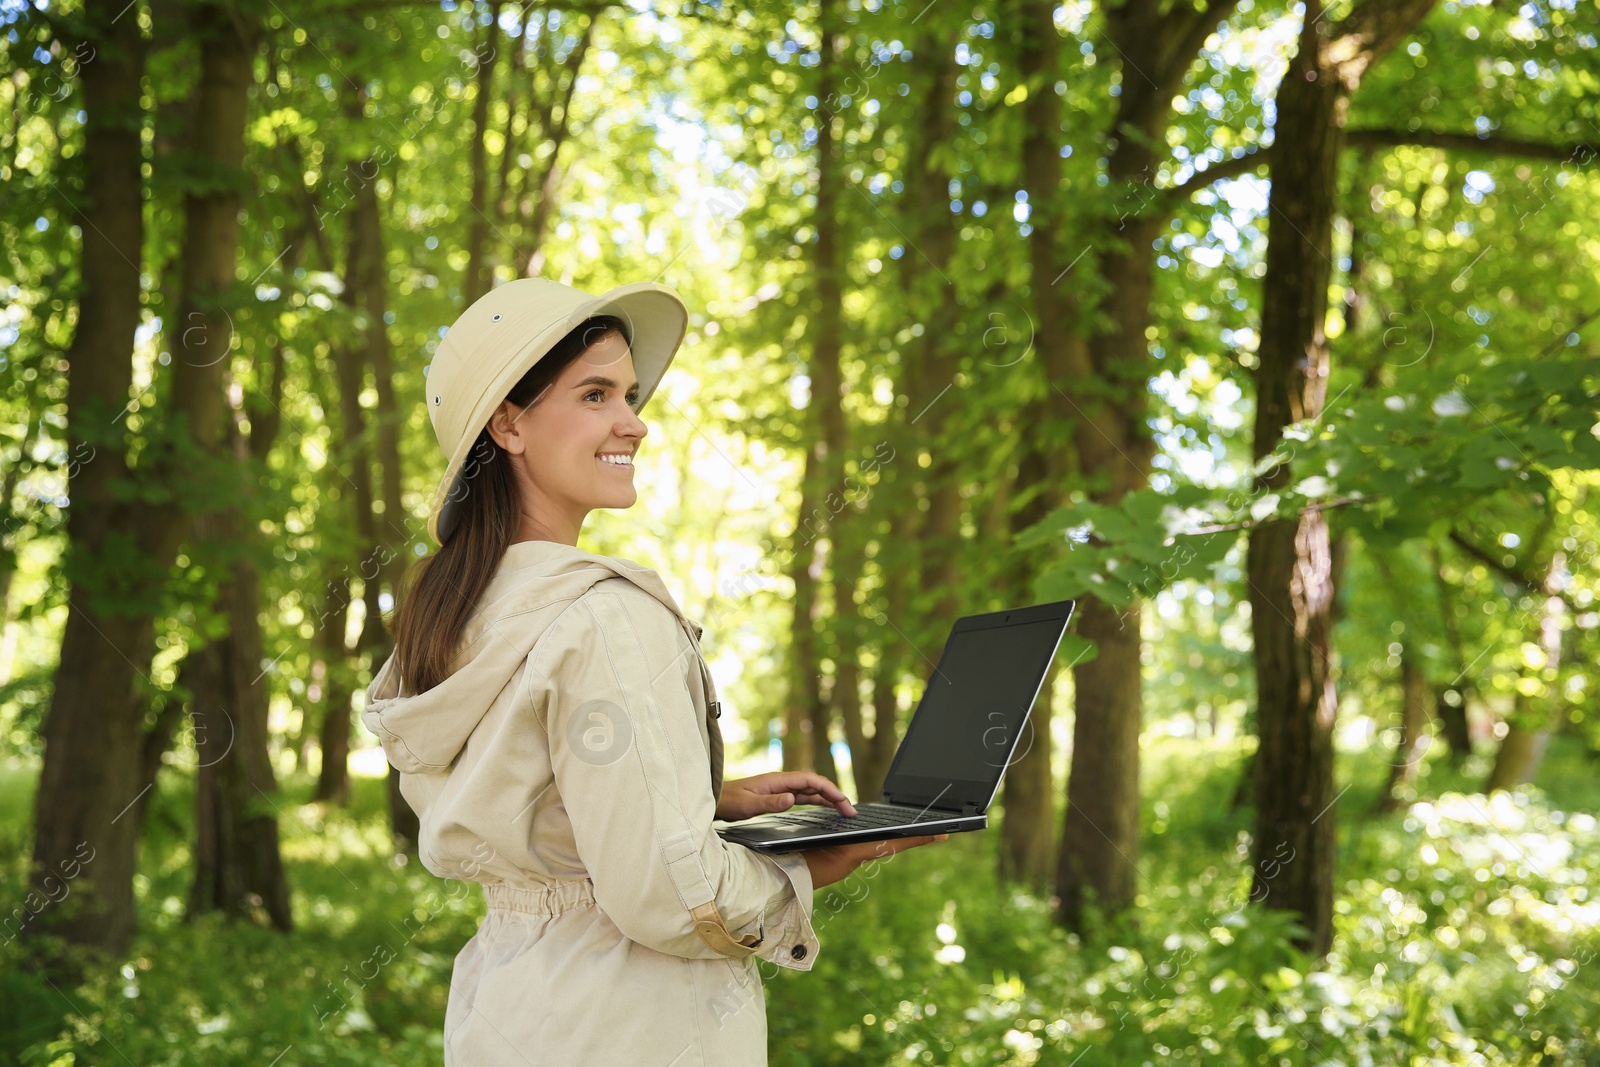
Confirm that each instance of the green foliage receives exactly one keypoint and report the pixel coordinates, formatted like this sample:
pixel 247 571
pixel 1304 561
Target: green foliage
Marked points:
pixel 939 966
pixel 1464 937
pixel 1460 413
pixel 362 980
pixel 1426 454
pixel 1135 548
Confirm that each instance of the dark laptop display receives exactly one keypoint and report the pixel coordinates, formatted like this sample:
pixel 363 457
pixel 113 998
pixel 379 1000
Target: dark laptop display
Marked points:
pixel 964 733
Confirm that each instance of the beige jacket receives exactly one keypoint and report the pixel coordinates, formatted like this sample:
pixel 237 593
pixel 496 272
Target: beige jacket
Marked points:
pixel 571 763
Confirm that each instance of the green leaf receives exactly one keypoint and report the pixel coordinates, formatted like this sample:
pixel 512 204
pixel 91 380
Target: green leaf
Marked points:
pixel 1480 474
pixel 1077 650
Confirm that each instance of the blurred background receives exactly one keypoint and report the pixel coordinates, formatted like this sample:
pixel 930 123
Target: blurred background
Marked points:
pixel 1266 331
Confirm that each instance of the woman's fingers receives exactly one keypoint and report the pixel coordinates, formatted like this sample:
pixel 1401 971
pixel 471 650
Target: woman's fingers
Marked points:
pixel 812 788
pixel 842 859
pixel 843 806
pixel 928 840
pixel 889 846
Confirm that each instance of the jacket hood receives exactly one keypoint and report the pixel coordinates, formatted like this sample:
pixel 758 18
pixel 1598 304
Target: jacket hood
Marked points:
pixel 426 731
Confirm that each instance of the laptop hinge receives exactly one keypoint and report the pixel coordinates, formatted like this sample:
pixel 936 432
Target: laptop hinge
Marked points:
pixel 970 807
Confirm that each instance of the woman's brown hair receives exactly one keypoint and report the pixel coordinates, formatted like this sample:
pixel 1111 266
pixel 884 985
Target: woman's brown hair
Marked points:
pixel 443 589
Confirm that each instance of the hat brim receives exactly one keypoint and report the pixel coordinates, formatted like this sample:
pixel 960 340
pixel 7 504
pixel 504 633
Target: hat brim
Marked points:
pixel 657 321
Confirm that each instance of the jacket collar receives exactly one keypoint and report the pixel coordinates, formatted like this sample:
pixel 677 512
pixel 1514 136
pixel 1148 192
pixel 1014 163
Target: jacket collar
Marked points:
pixel 554 558
pixel 426 731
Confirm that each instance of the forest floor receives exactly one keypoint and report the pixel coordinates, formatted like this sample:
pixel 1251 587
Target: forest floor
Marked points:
pixel 1467 932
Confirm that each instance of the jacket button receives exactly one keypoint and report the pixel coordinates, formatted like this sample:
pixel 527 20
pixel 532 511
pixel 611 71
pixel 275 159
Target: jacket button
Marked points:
pixel 798 952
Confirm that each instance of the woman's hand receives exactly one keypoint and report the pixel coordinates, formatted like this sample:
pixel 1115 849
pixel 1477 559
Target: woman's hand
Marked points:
pixel 837 862
pixel 778 791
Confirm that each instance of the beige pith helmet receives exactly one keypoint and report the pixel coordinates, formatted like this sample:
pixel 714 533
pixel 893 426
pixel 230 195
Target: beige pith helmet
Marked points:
pixel 507 331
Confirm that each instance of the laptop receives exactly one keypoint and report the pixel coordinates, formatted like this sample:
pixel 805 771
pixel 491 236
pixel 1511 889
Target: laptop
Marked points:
pixel 961 739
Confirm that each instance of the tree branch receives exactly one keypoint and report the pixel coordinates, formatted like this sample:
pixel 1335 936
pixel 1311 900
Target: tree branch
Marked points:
pixel 1188 41
pixel 1370 31
pixel 1250 524
pixel 1494 144
pixel 1582 152
pixel 367 6
pixel 1529 583
pixel 1227 168
pixel 1493 562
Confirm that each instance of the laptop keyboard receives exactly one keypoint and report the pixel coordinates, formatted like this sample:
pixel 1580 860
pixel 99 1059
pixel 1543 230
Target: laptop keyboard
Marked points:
pixel 867 817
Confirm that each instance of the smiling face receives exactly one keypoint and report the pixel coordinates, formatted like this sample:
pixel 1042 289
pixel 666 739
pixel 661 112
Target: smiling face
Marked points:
pixel 573 448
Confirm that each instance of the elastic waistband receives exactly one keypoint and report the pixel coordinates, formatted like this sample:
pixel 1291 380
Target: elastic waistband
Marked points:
pixel 539 899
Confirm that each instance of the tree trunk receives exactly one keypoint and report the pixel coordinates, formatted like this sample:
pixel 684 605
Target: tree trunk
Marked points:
pixel 934 358
pixel 1518 756
pixel 820 729
pixel 395 530
pixel 405 827
pixel 536 203
pixel 500 199
pixel 1453 722
pixel 916 541
pixel 1027 830
pixel 1416 698
pixel 480 262
pixel 363 289
pixel 237 866
pixel 1028 819
pixel 1098 863
pixel 1290 564
pixel 1529 728
pixel 8 539
pixel 1452 713
pixel 333 737
pixel 92 733
pixel 389 530
pixel 804 686
pixel 897 495
pixel 94 739
pixel 827 397
pixel 237 863
pixel 1100 378
pixel 1244 786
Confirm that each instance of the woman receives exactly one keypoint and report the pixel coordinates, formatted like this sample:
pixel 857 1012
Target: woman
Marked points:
pixel 555 726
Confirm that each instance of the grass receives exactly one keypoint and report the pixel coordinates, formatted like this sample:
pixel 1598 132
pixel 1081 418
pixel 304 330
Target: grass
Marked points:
pixel 1465 935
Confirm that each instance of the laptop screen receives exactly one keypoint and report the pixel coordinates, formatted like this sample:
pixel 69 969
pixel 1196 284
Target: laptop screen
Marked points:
pixel 972 719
